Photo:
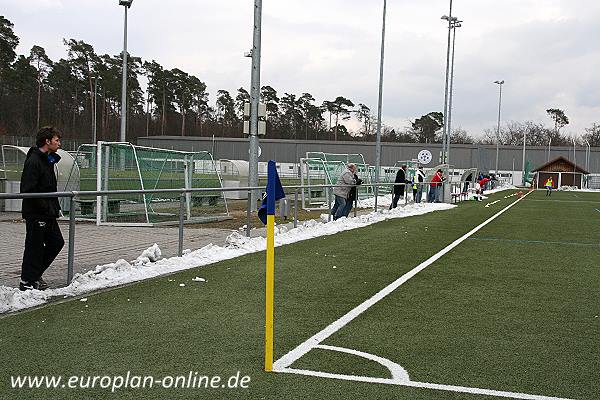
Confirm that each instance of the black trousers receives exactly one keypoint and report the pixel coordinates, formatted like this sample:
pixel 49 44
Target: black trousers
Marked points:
pixel 396 196
pixel 43 242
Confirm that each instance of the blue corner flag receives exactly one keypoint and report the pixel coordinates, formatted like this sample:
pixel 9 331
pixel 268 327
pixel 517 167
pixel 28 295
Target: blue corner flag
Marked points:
pixel 274 192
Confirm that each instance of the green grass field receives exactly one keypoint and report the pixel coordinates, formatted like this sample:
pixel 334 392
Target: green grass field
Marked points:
pixel 514 308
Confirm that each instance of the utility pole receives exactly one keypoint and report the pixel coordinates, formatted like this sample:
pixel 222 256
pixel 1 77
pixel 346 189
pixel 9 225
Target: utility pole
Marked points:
pixel 378 136
pixel 445 128
pixel 499 83
pixel 254 99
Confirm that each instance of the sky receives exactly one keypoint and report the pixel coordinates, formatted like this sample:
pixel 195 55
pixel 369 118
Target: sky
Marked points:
pixel 546 51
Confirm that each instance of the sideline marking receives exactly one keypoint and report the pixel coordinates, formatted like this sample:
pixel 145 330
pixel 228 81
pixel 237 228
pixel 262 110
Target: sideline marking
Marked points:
pixel 400 377
pixel 289 358
pixel 568 201
pixel 492 203
pixel 534 241
pixel 421 385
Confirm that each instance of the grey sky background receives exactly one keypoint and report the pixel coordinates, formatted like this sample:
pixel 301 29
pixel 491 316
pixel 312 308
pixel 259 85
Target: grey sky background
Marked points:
pixel 547 51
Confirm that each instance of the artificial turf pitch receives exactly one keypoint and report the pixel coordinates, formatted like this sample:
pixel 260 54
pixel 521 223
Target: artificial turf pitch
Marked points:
pixel 514 308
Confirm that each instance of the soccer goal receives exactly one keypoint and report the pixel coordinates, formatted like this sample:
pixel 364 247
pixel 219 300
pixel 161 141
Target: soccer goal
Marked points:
pixel 319 168
pixel 124 166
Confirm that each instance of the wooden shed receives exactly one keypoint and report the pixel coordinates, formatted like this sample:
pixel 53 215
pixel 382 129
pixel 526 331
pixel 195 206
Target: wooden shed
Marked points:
pixel 563 172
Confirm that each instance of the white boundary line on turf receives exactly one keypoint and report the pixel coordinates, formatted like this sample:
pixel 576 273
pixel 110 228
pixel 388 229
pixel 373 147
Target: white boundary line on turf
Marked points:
pixel 422 385
pixel 335 326
pixel 283 364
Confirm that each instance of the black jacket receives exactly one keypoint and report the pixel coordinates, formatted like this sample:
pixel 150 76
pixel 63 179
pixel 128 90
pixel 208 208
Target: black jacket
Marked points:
pixel 352 193
pixel 400 178
pixel 38 177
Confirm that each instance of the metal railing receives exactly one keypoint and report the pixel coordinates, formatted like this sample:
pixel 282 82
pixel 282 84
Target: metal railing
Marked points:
pixel 73 195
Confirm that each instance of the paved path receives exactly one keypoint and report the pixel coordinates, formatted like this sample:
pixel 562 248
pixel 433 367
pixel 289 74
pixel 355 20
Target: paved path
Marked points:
pixel 95 246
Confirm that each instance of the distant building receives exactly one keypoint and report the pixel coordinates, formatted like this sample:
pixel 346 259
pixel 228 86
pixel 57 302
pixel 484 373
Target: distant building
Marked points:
pixel 562 171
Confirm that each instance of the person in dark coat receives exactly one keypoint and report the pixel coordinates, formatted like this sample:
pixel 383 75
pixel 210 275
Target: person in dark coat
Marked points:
pixel 399 189
pixel 43 240
pixel 352 196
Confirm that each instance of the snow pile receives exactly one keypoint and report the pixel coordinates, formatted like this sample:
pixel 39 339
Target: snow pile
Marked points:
pixel 148 264
pixel 382 200
pixel 501 188
pixel 576 189
pixel 151 254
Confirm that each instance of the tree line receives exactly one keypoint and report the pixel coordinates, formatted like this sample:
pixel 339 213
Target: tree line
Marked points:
pixel 84 88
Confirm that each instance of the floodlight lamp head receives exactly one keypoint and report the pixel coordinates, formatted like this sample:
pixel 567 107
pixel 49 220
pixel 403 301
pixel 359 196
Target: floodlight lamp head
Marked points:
pixel 126 3
pixel 445 17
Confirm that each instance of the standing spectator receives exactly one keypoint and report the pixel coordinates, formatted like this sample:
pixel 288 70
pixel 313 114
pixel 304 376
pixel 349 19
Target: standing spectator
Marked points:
pixel 468 179
pixel 418 180
pixel 400 182
pixel 341 192
pixel 353 195
pixel 435 186
pixel 43 240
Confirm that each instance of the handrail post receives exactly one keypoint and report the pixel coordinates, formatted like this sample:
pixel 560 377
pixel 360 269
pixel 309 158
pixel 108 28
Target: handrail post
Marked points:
pixel 181 211
pixel 328 204
pixel 249 214
pixel 296 208
pixel 71 252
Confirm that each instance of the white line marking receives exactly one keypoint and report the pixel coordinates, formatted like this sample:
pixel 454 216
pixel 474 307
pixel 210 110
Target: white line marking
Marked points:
pixel 566 201
pixel 492 203
pixel 422 385
pixel 316 339
pixel 399 374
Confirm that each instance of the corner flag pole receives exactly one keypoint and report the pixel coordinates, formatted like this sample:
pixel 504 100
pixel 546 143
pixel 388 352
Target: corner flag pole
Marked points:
pixel 270 270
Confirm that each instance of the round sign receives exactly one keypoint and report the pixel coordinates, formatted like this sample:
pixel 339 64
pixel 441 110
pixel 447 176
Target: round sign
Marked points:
pixel 259 151
pixel 425 157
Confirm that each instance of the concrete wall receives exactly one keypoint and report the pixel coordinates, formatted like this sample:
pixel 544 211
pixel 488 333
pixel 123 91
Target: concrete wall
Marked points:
pixel 478 156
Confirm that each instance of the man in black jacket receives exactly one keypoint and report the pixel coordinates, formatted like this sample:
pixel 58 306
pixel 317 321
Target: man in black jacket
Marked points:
pixel 43 240
pixel 398 191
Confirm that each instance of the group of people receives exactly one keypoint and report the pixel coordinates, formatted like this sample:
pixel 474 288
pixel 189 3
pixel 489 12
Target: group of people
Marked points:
pixel 44 240
pixel 345 194
pixel 416 182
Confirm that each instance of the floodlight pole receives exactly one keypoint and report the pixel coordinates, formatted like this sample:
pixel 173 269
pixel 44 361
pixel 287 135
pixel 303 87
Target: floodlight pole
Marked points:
pixel 588 154
pixel 122 137
pixel 95 129
pixel 254 99
pixel 455 24
pixel 378 135
pixel 445 128
pixel 524 139
pixel 499 83
pixel 574 156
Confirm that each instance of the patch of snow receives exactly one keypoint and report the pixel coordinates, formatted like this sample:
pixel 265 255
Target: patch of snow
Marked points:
pixel 149 264
pixel 151 254
pixel 382 200
pixel 198 279
pixel 576 189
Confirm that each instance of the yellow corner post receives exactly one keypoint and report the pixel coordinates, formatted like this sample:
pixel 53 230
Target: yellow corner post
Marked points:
pixel 270 284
